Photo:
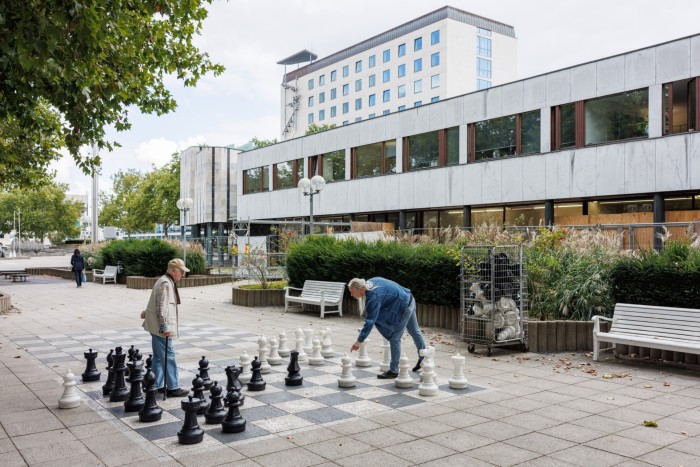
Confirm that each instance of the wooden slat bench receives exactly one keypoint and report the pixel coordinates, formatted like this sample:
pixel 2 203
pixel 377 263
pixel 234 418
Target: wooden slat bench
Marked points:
pixel 9 272
pixel 21 276
pixel 319 293
pixel 657 327
pixel 108 274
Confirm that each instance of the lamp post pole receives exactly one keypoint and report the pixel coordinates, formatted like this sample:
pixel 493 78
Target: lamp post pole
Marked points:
pixel 310 188
pixel 184 205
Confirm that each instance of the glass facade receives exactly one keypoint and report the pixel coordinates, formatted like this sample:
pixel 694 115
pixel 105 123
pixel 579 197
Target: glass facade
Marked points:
pixel 483 67
pixel 334 166
pixel 618 117
pixel 452 137
pixel 532 215
pixel 530 132
pixel 375 159
pixel 284 174
pixel 423 150
pixel 495 138
pixel 256 180
pixel 567 126
pixel 488 216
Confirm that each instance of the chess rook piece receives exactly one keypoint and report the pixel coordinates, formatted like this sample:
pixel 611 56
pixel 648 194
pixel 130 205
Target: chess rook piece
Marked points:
pixel 191 432
pixel 326 344
pixel 136 401
pixel 316 358
pixel 70 398
pixel 404 379
pixel 274 357
pixel 119 392
pixel 283 350
pixel 363 359
pixel 245 375
pixel 427 386
pixel 215 413
pixel 346 379
pixel 299 346
pixel 458 380
pixel 91 372
pixel 150 412
pixel 262 355
pixel 256 382
pixel 386 356
pixel 107 387
pixel 198 393
pixel 204 373
pixel 294 377
pixel 233 422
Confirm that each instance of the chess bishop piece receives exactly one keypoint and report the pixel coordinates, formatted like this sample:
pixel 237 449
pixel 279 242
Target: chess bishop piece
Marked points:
pixel 191 432
pixel 233 422
pixel 70 398
pixel 109 385
pixel 346 379
pixel 458 380
pixel 215 413
pixel 119 392
pixel 91 372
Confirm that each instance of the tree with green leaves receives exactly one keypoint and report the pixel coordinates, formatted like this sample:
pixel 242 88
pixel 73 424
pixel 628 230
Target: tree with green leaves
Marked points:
pixel 315 128
pixel 124 208
pixel 261 143
pixel 158 194
pixel 71 68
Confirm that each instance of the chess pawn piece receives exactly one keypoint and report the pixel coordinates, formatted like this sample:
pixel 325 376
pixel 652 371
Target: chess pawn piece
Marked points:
pixel 316 358
pixel 326 344
pixel 233 422
pixel 216 413
pixel 262 355
pixel 256 382
pixel 346 379
pixel 233 383
pixel 386 356
pixel 363 359
pixel 119 392
pixel 191 432
pixel 458 380
pixel 150 412
pixel 427 386
pixel 308 337
pixel 274 358
pixel 204 373
pixel 136 400
pixel 198 393
pixel 283 350
pixel 70 398
pixel 428 354
pixel 404 379
pixel 109 385
pixel 299 347
pixel 91 372
pixel 245 375
pixel 293 378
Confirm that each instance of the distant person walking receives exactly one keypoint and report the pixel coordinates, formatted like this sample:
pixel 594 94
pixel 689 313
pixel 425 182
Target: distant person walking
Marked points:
pixel 77 263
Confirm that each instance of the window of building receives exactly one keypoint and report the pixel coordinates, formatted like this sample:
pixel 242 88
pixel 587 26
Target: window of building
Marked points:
pixel 483 67
pixel 435 81
pixel 358 85
pixel 528 215
pixel 346 89
pixel 345 122
pixel 311 101
pixel 333 94
pixel 333 166
pixel 620 206
pixel 488 216
pixel 483 32
pixel 321 97
pixel 386 76
pixel 287 174
pixel 371 80
pixel 681 100
pixel 617 117
pixel 565 127
pixel 322 80
pixel 333 111
pixel 402 70
pixel 334 75
pixel 256 180
pixel 417 65
pixel 358 119
pixel 386 55
pixel 371 115
pixel 321 115
pixel 311 84
pixel 417 86
pixel 530 131
pixel 358 66
pixel 402 50
pixel 401 107
pixel 417 103
pixel 372 100
pixel 432 149
pixel 310 118
pixel 386 95
pixel 386 112
pixel 401 91
pixel 346 71
pixel 505 136
pixel 482 84
pixel 417 43
pixel 435 59
pixel 374 159
pixel 483 46
pixel 346 107
pixel 435 99
pixel 435 37
pixel 372 61
pixel 358 104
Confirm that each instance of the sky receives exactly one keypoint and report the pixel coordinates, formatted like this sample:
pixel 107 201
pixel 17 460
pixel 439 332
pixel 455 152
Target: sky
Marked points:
pixel 249 37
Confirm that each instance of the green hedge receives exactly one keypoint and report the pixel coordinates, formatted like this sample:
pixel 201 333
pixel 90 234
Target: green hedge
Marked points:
pixel 145 257
pixel 430 271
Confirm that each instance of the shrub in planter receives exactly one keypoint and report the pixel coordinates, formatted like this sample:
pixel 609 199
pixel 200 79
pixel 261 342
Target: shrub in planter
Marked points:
pixel 147 258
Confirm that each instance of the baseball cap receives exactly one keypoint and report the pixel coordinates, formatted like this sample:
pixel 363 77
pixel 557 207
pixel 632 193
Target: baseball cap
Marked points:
pixel 177 263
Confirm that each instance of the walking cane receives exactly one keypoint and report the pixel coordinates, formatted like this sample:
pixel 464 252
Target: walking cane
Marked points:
pixel 165 370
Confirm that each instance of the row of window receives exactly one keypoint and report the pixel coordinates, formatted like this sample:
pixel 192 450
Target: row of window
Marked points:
pixel 372 59
pixel 358 106
pixel 483 62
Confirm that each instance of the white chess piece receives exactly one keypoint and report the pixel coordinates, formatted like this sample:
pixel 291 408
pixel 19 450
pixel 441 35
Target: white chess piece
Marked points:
pixel 70 398
pixel 326 344
pixel 262 354
pixel 308 340
pixel 427 386
pixel 283 350
pixel 363 359
pixel 316 358
pixel 274 358
pixel 458 380
pixel 386 356
pixel 404 379
pixel 429 354
pixel 246 372
pixel 299 346
pixel 346 379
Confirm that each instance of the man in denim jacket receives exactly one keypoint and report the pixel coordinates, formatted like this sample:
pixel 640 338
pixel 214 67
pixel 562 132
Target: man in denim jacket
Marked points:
pixel 390 308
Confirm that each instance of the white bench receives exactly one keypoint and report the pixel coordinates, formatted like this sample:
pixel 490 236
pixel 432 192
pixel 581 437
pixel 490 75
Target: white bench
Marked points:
pixel 657 327
pixel 108 274
pixel 319 293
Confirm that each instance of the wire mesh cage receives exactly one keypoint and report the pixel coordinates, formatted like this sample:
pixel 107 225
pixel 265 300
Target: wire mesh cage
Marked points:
pixel 494 297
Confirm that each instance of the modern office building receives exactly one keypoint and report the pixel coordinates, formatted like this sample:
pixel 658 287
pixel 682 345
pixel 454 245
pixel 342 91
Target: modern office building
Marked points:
pixel 443 54
pixel 606 142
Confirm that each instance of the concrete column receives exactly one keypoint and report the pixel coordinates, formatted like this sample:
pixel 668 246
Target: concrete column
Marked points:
pixel 656 110
pixel 463 143
pixel 399 155
pixel 545 130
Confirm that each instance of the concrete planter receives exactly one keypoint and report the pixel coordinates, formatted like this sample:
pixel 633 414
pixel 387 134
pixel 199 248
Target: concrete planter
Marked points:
pixel 141 282
pixel 257 298
pixel 5 303
pixel 63 273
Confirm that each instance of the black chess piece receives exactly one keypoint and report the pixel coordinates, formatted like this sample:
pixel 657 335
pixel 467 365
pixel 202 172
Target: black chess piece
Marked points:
pixel 215 413
pixel 109 385
pixel 294 377
pixel 150 412
pixel 191 432
pixel 198 392
pixel 232 374
pixel 130 357
pixel 91 372
pixel 256 382
pixel 119 392
pixel 234 422
pixel 136 400
pixel 204 373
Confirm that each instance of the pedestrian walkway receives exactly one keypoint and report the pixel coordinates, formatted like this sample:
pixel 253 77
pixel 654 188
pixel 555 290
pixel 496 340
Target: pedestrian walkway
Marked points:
pixel 521 409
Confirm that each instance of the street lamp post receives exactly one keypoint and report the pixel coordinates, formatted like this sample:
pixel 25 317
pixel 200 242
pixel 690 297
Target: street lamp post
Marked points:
pixel 310 188
pixel 184 205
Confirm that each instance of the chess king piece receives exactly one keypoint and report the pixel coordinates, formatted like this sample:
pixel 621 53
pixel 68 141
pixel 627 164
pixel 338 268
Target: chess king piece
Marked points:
pixel 215 413
pixel 136 401
pixel 458 380
pixel 70 398
pixel 191 432
pixel 274 357
pixel 386 356
pixel 150 412
pixel 316 358
pixel 91 372
pixel 233 422
pixel 233 383
pixel 308 340
pixel 346 379
pixel 404 379
pixel 256 382
pixel 283 350
pixel 107 387
pixel 299 346
pixel 293 378
pixel 204 373
pixel 245 375
pixel 326 343
pixel 363 359
pixel 119 392
pixel 427 386
pixel 198 393
pixel 262 355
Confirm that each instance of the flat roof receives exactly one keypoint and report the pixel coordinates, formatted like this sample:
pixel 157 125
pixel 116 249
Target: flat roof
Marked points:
pixel 299 57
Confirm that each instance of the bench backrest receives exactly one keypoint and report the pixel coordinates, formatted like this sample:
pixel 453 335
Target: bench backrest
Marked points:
pixel 110 271
pixel 332 291
pixel 657 321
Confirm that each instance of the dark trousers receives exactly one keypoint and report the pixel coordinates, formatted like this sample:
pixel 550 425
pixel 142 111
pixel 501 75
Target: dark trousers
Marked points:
pixel 78 277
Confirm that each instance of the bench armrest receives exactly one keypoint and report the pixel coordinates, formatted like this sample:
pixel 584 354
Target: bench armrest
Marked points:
pixel 288 288
pixel 98 271
pixel 596 322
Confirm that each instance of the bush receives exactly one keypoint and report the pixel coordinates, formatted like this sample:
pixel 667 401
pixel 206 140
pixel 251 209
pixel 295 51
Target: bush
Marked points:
pixel 145 257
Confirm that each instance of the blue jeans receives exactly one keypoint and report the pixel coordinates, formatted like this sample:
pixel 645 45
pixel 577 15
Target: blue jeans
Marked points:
pixel 158 345
pixel 410 323
pixel 78 277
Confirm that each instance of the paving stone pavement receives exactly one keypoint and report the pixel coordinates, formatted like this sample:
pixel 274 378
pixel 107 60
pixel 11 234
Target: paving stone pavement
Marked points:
pixel 531 409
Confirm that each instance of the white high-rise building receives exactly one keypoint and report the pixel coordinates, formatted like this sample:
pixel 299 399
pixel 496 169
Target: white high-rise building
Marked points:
pixel 443 54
